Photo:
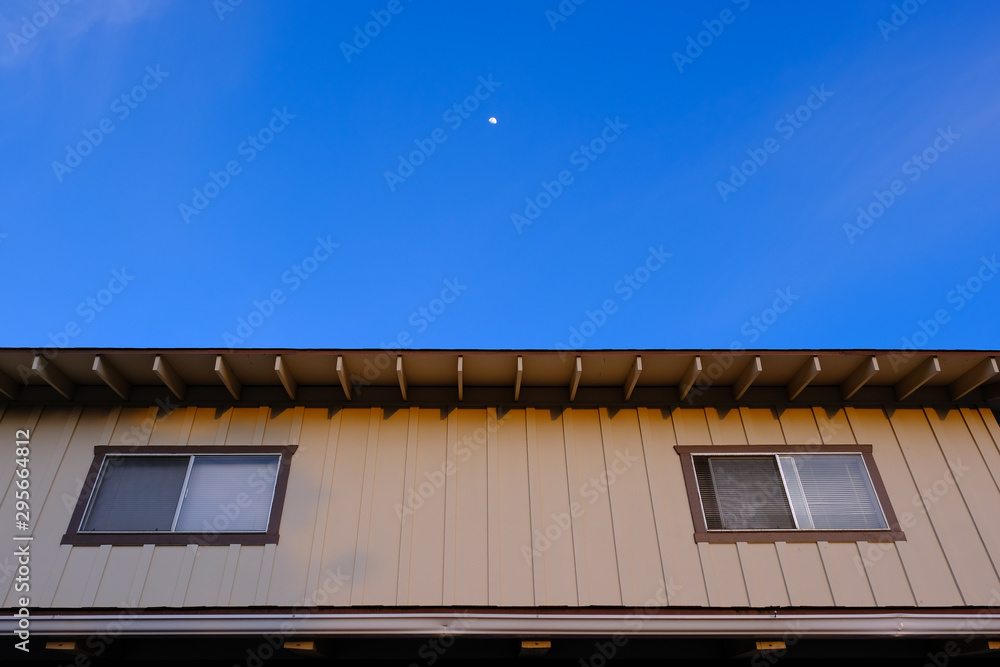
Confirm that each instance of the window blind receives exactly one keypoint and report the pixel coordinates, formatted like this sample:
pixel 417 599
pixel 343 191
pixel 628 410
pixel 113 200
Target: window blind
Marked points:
pixel 137 494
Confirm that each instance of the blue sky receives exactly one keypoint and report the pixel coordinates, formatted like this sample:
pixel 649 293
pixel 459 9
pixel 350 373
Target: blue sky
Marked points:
pixel 264 174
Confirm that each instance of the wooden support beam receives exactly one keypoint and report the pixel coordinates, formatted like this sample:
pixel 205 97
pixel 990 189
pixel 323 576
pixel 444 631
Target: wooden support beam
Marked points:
pixel 111 376
pixel 574 382
pixel 770 646
pixel 169 377
pixel 460 388
pixel 228 378
pixel 342 374
pixel 8 387
pixel 746 378
pixel 400 375
pixel 533 648
pixel 517 378
pixel 285 375
pixel 71 647
pixel 302 648
pixel 918 377
pixel 690 377
pixel 53 376
pixel 633 376
pixel 803 377
pixel 860 377
pixel 979 374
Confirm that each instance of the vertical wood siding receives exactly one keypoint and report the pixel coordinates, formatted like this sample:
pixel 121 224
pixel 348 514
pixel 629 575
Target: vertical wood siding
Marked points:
pixel 530 507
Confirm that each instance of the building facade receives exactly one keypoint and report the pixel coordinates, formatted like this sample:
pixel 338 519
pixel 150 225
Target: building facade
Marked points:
pixel 270 505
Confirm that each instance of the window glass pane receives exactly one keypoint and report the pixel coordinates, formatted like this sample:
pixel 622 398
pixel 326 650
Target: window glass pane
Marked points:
pixel 229 494
pixel 137 493
pixel 796 494
pixel 750 494
pixel 838 492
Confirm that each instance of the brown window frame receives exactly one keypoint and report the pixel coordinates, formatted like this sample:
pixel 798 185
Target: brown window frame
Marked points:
pixel 73 535
pixel 702 533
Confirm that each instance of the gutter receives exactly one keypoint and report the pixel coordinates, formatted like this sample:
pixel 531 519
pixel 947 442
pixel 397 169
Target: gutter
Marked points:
pixel 982 623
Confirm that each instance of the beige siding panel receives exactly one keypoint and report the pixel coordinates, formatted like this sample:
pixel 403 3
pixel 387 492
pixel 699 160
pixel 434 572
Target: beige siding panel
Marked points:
pixel 361 554
pixel 289 578
pixel 404 508
pixel 725 426
pixel 248 568
pixel 161 577
pixel 594 544
pixel 723 575
pixel 984 441
pixel 382 539
pixel 805 575
pixel 172 427
pixel 282 426
pixel 74 577
pixel 640 568
pixel 204 428
pixel 554 570
pixel 340 544
pixel 62 448
pixel 206 579
pixel 884 568
pixel 242 426
pixel 471 572
pixel 947 510
pixel 681 560
pixel 513 512
pixel 971 481
pixel 927 569
pixel 991 424
pixel 96 574
pixel 319 572
pixel 762 426
pixel 495 586
pixel 139 577
pixel 184 575
pixel 764 581
pixel 846 574
pixel 119 573
pixel 690 427
pixel 424 503
pixel 134 427
pixel 229 574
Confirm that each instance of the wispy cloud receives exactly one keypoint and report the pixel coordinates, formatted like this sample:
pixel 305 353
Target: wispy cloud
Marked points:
pixel 29 26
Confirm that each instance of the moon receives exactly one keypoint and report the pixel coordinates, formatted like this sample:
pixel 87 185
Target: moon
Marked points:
pixel 493 120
